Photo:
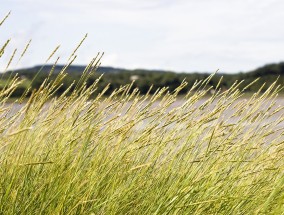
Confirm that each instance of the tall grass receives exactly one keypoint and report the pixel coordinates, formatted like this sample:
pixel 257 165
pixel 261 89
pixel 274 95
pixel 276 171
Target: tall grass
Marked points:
pixel 141 154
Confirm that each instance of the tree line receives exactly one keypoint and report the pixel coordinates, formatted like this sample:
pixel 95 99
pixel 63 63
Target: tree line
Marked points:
pixel 144 79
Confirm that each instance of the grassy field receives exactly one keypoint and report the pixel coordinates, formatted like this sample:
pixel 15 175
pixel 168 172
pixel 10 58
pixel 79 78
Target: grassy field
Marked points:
pixel 131 154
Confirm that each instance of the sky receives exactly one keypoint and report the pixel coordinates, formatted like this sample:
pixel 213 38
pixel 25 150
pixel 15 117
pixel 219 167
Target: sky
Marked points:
pixel 177 35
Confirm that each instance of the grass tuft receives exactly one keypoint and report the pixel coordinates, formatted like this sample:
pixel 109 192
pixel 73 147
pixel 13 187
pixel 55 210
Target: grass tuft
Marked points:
pixel 128 153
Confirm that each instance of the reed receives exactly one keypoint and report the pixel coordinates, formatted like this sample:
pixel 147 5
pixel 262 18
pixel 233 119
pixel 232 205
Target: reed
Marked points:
pixel 128 153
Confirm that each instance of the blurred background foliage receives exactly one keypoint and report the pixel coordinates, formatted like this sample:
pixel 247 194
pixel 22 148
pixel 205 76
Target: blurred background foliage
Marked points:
pixel 143 79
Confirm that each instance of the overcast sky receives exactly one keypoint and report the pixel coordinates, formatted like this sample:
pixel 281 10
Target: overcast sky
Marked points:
pixel 179 35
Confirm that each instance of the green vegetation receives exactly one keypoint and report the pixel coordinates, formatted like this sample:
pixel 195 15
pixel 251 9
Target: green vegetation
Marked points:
pixel 144 79
pixel 85 152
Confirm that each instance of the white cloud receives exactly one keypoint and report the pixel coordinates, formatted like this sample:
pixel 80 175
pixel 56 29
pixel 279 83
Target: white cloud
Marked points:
pixel 183 35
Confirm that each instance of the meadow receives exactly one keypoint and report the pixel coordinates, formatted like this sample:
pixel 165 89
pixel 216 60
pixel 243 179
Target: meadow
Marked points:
pixel 127 153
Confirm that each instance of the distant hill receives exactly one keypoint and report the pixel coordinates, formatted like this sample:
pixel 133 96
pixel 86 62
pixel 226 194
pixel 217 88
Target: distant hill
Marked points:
pixel 144 79
pixel 71 69
pixel 266 70
pixel 269 69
